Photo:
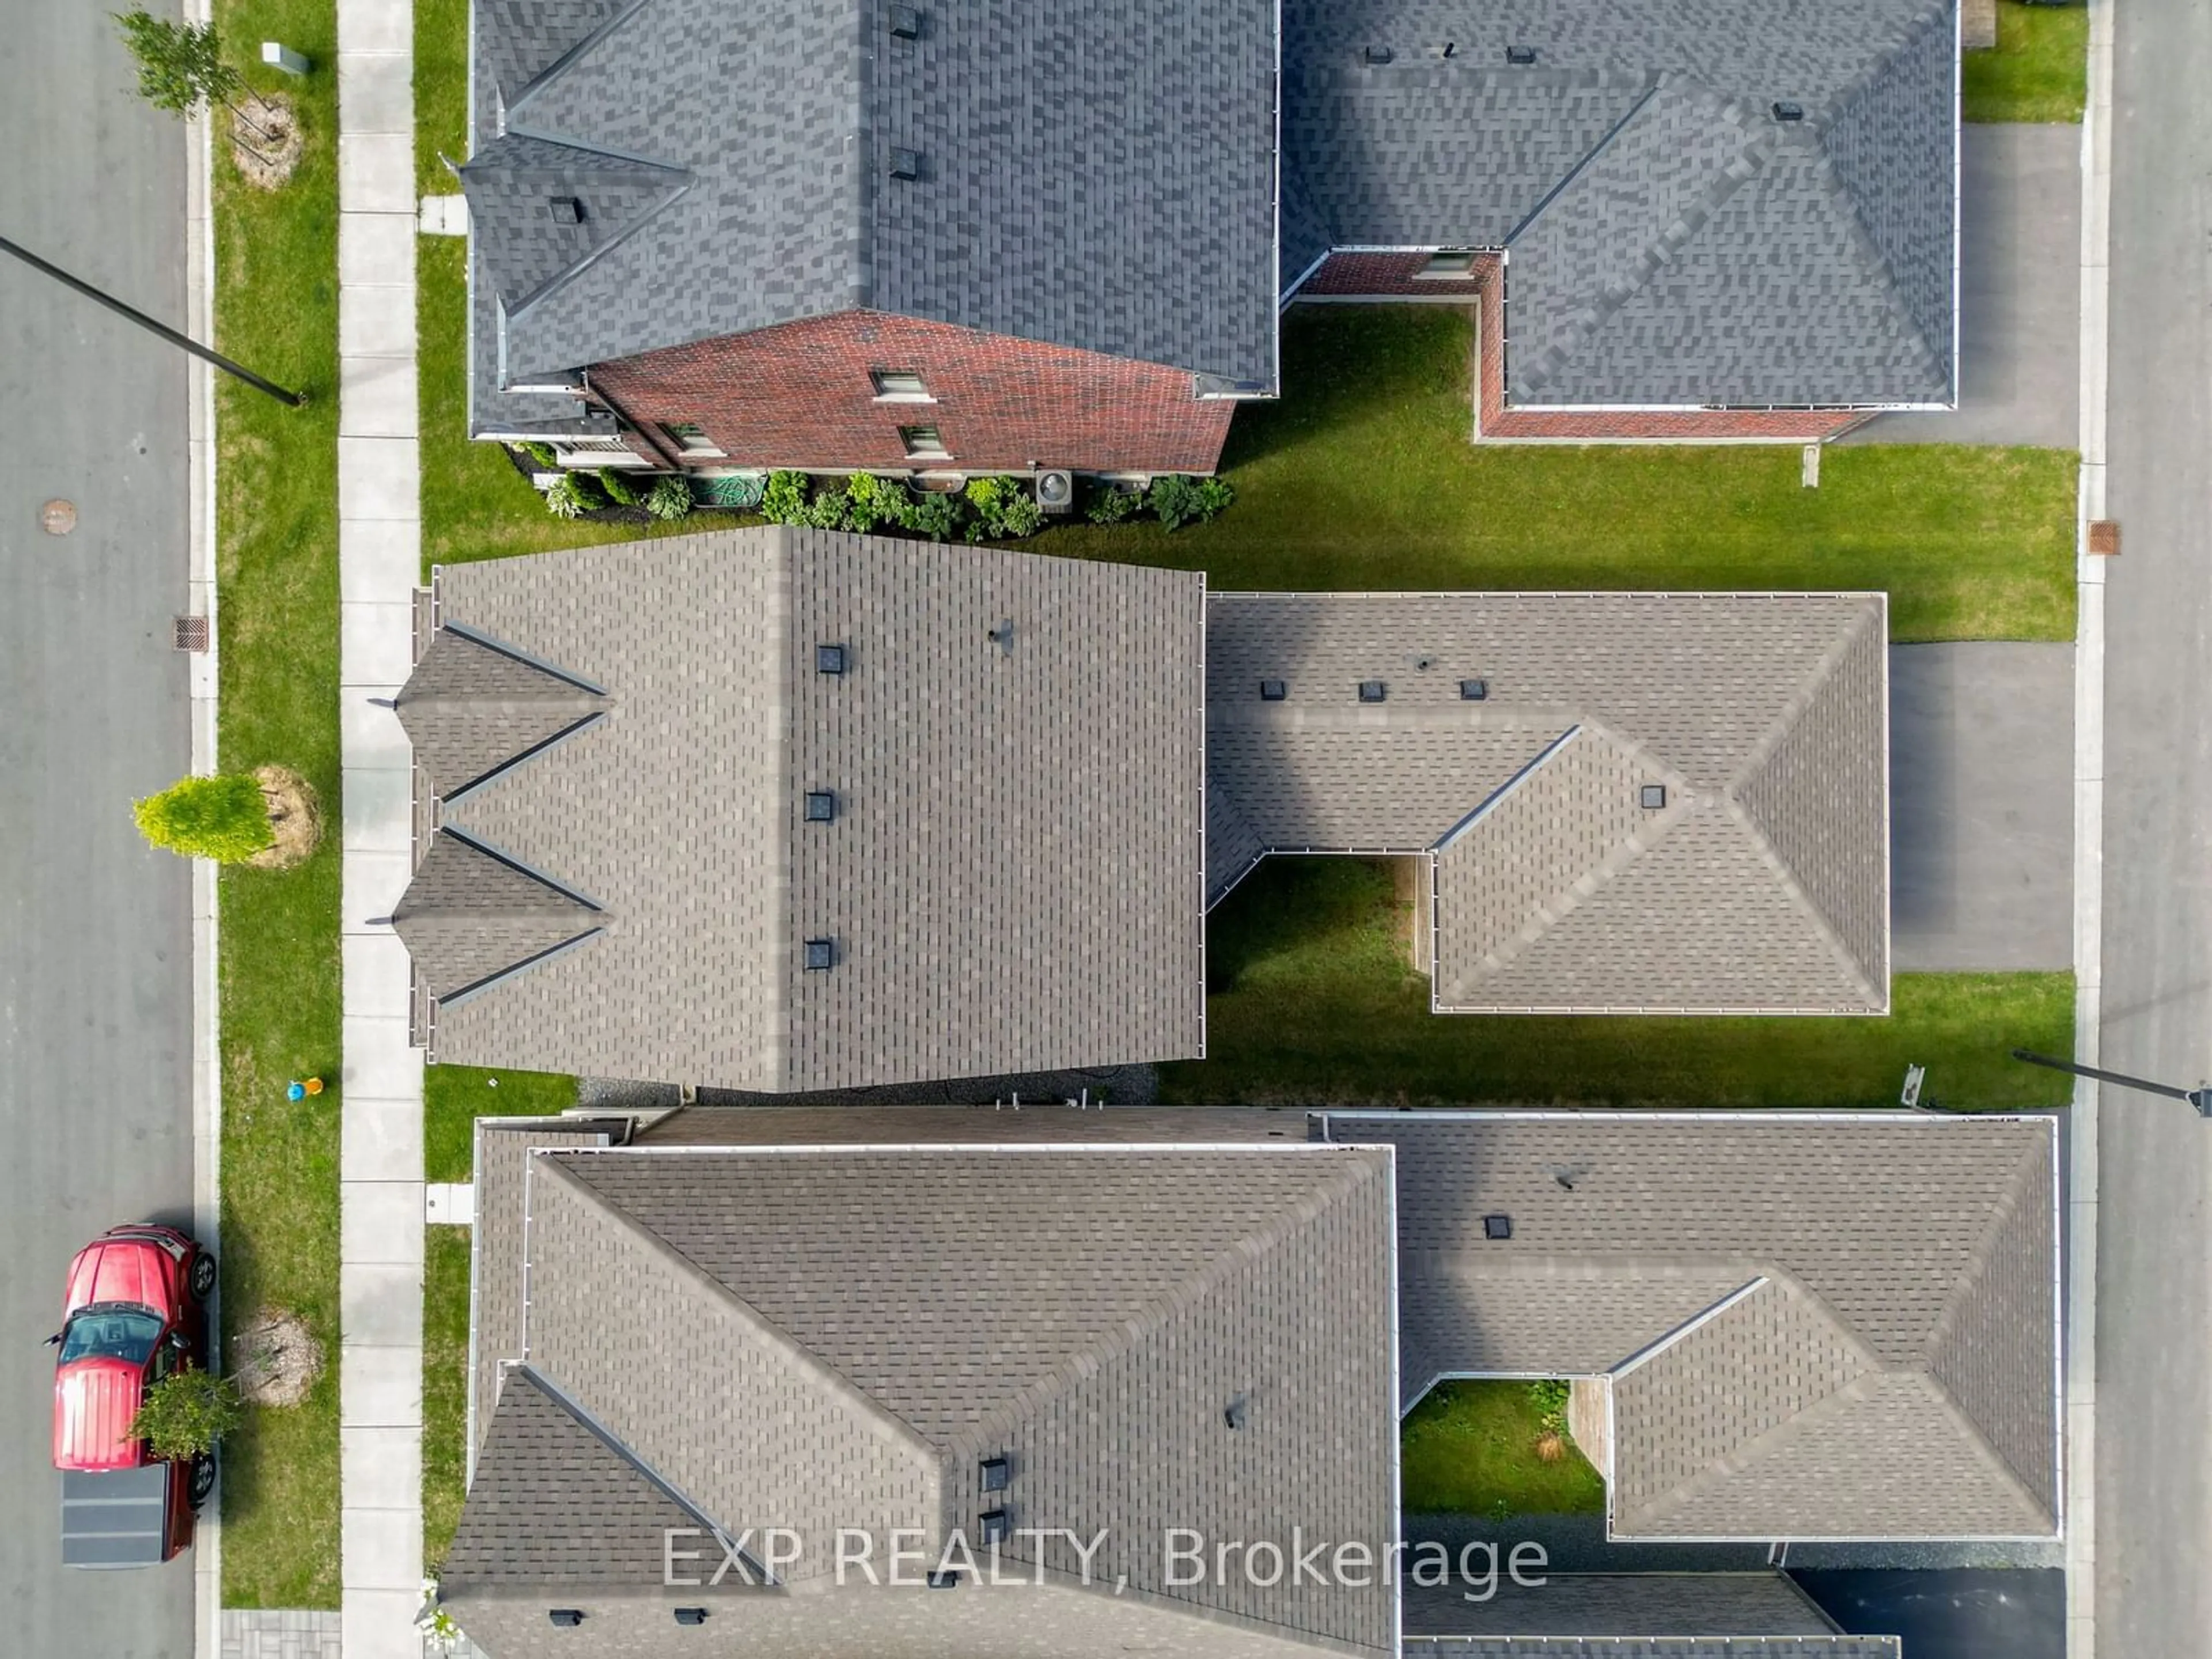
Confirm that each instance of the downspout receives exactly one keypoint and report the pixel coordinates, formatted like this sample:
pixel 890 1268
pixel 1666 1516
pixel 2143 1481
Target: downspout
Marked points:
pixel 650 434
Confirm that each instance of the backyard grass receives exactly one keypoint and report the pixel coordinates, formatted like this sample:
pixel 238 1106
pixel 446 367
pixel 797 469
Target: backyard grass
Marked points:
pixel 277 311
pixel 1469 1448
pixel 2039 70
pixel 455 1096
pixel 1312 1001
pixel 445 1387
pixel 1364 478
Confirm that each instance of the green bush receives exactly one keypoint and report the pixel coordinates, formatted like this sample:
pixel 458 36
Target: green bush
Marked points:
pixel 619 490
pixel 1549 1397
pixel 668 498
pixel 1110 505
pixel 935 514
pixel 571 495
pixel 1177 499
pixel 186 1415
pixel 542 454
pixel 831 509
pixel 783 499
pixel 870 502
pixel 1005 510
pixel 223 817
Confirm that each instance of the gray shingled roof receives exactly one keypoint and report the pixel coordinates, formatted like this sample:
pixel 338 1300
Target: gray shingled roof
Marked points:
pixel 1669 242
pixel 1103 179
pixel 832 1339
pixel 1615 1604
pixel 1760 884
pixel 1882 1365
pixel 1011 879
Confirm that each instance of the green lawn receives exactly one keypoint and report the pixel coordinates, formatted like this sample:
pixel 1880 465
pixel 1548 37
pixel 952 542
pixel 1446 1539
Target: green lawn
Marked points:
pixel 2039 69
pixel 455 1096
pixel 1312 1001
pixel 1469 1448
pixel 445 1386
pixel 1364 478
pixel 277 311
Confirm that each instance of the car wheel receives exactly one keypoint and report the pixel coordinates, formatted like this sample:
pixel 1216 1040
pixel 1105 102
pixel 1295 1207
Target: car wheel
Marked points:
pixel 202 1276
pixel 203 1481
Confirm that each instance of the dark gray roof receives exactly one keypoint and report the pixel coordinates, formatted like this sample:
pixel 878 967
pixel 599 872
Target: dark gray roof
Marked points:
pixel 1882 1365
pixel 1669 242
pixel 1012 881
pixel 1761 884
pixel 1102 178
pixel 835 1339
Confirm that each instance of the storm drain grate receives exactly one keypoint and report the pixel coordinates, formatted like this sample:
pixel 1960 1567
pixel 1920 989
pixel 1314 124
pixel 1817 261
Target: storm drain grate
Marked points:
pixel 191 634
pixel 2105 536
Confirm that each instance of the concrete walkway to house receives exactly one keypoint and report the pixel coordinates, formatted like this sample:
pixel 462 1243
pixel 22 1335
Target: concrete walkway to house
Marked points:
pixel 2019 286
pixel 380 1095
pixel 1981 828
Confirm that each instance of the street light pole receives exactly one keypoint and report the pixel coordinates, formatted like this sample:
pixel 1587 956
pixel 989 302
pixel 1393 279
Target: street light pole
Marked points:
pixel 294 398
pixel 2201 1098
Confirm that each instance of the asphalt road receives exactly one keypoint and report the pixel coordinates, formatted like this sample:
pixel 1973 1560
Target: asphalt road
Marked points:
pixel 94 945
pixel 2153 1478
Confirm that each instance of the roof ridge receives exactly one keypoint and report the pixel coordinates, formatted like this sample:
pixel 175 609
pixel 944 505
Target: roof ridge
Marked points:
pixel 461 838
pixel 2007 1205
pixel 1854 972
pixel 561 65
pixel 1815 680
pixel 777 645
pixel 1350 1175
pixel 555 1163
pixel 1854 1390
pixel 1857 226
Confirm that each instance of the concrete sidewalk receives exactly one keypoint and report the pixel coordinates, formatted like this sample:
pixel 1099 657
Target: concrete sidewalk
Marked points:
pixel 379 544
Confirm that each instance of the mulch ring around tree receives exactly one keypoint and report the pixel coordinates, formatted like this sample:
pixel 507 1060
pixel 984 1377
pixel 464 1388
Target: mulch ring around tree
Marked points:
pixel 294 818
pixel 275 1361
pixel 264 139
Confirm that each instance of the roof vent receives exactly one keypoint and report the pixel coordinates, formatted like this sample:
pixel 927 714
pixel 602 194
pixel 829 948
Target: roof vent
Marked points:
pixel 1379 54
pixel 946 1578
pixel 1520 54
pixel 994 1527
pixel 1497 1226
pixel 566 210
pixel 1003 635
pixel 565 1618
pixel 1788 111
pixel 993 1473
pixel 820 954
pixel 1652 796
pixel 1373 690
pixel 829 658
pixel 1473 690
pixel 1273 691
pixel 1233 1412
pixel 690 1615
pixel 906 24
pixel 906 164
pixel 821 806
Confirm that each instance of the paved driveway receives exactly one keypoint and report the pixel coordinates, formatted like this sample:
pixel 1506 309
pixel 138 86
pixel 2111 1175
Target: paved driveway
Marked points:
pixel 2019 222
pixel 1981 759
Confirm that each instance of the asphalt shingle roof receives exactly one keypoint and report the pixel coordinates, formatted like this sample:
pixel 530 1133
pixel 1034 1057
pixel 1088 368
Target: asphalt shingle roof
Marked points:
pixel 1669 241
pixel 832 1339
pixel 1760 883
pixel 1101 178
pixel 1011 881
pixel 1882 1365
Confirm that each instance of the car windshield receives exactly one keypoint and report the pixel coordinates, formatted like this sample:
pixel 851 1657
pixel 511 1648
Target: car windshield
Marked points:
pixel 111 1334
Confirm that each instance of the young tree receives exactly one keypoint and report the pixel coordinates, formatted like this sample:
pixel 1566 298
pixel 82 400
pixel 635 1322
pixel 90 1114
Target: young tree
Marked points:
pixel 181 66
pixel 186 1414
pixel 225 817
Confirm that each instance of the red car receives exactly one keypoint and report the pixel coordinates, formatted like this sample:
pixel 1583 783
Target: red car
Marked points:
pixel 135 1311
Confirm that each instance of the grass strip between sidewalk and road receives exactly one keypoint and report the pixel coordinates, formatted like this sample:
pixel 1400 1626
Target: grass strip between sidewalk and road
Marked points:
pixel 1313 1001
pixel 2038 71
pixel 276 310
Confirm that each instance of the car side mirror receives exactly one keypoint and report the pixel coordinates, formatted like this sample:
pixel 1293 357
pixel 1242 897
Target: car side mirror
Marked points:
pixel 55 1341
pixel 180 1341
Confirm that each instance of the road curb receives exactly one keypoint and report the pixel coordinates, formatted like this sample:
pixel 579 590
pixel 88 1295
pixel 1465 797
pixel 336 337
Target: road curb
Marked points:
pixel 2079 1376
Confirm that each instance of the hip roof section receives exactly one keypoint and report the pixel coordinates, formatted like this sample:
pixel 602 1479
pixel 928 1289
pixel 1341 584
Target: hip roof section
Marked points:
pixel 1008 879
pixel 1649 802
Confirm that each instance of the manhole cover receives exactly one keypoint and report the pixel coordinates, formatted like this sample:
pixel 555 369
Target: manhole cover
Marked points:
pixel 58 516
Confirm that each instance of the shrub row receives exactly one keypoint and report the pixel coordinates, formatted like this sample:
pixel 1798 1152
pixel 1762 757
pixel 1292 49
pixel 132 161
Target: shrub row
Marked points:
pixel 988 509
